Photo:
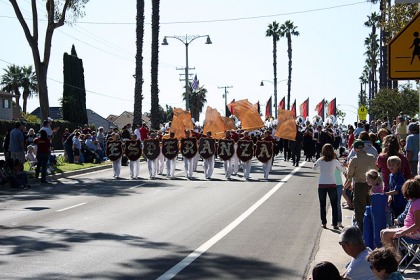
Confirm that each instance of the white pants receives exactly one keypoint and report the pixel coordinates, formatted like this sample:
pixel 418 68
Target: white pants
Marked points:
pixel 116 166
pixel 152 167
pixel 208 166
pixel 188 166
pixel 228 168
pixel 170 167
pixel 195 161
pixel 161 163
pixel 266 168
pixel 246 165
pixel 235 160
pixel 134 168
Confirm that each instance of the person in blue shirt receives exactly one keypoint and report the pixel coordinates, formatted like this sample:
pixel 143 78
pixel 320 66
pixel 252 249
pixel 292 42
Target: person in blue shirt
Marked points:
pixel 396 181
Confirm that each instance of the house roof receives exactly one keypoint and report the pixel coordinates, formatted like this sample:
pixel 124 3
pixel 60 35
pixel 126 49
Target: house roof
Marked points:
pixel 7 94
pixel 55 113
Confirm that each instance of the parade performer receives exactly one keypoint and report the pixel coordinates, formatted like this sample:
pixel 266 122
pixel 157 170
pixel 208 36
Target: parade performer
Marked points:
pixel 188 151
pixel 225 151
pixel 170 152
pixel 114 151
pixel 161 158
pixel 133 152
pixel 151 151
pixel 197 136
pixel 207 149
pixel 235 160
pixel 264 153
pixel 245 152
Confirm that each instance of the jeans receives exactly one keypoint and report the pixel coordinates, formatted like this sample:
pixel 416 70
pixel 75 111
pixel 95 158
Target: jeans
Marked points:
pixel 42 164
pixel 339 213
pixel 332 194
pixel 361 199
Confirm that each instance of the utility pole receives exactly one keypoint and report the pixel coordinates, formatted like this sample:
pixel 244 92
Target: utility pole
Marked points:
pixel 225 96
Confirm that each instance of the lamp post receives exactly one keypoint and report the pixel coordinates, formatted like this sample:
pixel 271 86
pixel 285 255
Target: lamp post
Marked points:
pixel 186 40
pixel 275 93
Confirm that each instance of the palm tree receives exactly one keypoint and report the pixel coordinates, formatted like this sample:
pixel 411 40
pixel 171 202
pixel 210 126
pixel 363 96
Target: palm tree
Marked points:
pixel 372 45
pixel 138 90
pixel 197 100
pixel 29 84
pixel 155 63
pixel 287 30
pixel 12 81
pixel 274 31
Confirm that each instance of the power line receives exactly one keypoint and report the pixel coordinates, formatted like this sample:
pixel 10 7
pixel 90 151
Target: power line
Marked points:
pixel 222 20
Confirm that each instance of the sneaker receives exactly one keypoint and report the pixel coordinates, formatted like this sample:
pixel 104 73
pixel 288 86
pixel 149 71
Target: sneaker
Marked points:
pixel 340 225
pixel 336 227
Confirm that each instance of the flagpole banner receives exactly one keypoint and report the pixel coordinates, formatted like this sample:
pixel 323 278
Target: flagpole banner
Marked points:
pixel 195 83
pixel 304 108
pixel 268 108
pixel 294 109
pixel 282 104
pixel 247 114
pixel 332 108
pixel 286 127
pixel 181 121
pixel 217 124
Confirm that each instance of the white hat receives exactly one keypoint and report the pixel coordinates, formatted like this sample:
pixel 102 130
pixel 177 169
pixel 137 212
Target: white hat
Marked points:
pixel 49 119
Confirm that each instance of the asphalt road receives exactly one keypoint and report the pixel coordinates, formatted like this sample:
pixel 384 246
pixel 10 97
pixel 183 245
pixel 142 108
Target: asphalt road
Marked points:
pixel 93 226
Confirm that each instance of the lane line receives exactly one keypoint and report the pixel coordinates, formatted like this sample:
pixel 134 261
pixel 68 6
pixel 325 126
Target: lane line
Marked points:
pixel 71 207
pixel 209 243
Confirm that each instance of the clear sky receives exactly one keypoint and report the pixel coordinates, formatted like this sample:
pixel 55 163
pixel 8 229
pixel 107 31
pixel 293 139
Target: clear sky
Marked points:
pixel 327 56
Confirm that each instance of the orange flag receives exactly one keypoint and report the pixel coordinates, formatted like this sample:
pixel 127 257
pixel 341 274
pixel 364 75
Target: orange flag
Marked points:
pixel 286 127
pixel 247 114
pixel 214 123
pixel 181 121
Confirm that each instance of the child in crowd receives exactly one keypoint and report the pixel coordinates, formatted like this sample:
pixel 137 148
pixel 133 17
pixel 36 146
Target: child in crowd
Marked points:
pixel 31 156
pixel 396 181
pixel 374 181
pixel 77 146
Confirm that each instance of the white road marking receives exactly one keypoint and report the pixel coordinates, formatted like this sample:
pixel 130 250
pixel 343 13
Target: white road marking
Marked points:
pixel 137 186
pixel 209 243
pixel 71 207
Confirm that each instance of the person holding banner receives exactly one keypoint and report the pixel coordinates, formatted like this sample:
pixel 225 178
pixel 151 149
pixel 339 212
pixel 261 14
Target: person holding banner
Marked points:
pixel 170 151
pixel 208 161
pixel 133 157
pixel 245 152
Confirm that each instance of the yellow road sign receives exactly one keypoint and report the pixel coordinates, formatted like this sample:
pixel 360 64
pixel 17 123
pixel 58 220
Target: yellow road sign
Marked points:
pixel 362 112
pixel 404 52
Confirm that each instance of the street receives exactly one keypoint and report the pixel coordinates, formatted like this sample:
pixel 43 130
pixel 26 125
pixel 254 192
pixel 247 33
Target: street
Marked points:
pixel 93 226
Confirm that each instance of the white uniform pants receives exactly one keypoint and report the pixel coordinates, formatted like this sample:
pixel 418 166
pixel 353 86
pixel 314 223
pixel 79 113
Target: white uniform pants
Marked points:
pixel 246 165
pixel 208 167
pixel 170 167
pixel 134 168
pixel 195 161
pixel 266 168
pixel 235 161
pixel 116 167
pixel 189 166
pixel 228 168
pixel 152 167
pixel 161 163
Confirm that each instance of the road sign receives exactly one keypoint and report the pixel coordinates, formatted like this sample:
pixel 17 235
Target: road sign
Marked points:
pixel 362 112
pixel 404 52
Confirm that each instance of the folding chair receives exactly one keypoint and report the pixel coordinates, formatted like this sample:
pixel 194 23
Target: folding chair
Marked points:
pixel 412 250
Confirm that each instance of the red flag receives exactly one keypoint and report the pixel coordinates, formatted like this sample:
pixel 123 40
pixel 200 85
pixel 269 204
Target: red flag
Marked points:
pixel 282 104
pixel 229 109
pixel 304 108
pixel 332 108
pixel 268 108
pixel 294 109
pixel 320 108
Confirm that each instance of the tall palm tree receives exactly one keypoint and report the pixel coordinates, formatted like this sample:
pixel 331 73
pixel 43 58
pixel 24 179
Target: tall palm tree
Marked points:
pixel 155 122
pixel 11 81
pixel 274 31
pixel 138 90
pixel 197 100
pixel 372 45
pixel 29 84
pixel 288 30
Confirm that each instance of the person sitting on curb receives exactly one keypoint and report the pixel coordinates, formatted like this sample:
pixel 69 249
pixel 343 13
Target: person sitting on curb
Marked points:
pixel 325 271
pixel 358 268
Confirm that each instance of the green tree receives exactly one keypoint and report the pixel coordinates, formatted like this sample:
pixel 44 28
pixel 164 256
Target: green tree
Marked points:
pixel 155 122
pixel 274 31
pixel 372 53
pixel 390 102
pixel 138 88
pixel 197 100
pixel 288 30
pixel 11 81
pixel 56 16
pixel 74 92
pixel 29 84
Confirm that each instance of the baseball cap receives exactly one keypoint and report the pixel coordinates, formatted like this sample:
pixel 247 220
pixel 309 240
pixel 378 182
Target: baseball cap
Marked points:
pixel 358 144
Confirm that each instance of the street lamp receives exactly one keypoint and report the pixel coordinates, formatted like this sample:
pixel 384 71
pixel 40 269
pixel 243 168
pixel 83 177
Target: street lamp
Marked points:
pixel 275 93
pixel 186 40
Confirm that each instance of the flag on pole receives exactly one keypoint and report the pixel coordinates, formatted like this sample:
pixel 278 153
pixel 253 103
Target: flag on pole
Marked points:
pixel 320 108
pixel 304 108
pixel 332 108
pixel 247 114
pixel 286 128
pixel 268 112
pixel 257 106
pixel 229 109
pixel 294 109
pixel 195 83
pixel 282 104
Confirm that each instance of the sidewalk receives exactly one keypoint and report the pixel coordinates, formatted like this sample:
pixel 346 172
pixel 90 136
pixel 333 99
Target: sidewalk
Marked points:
pixel 329 249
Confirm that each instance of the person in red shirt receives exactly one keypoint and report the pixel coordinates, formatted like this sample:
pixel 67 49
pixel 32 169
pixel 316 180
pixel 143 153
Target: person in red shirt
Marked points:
pixel 144 132
pixel 42 154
